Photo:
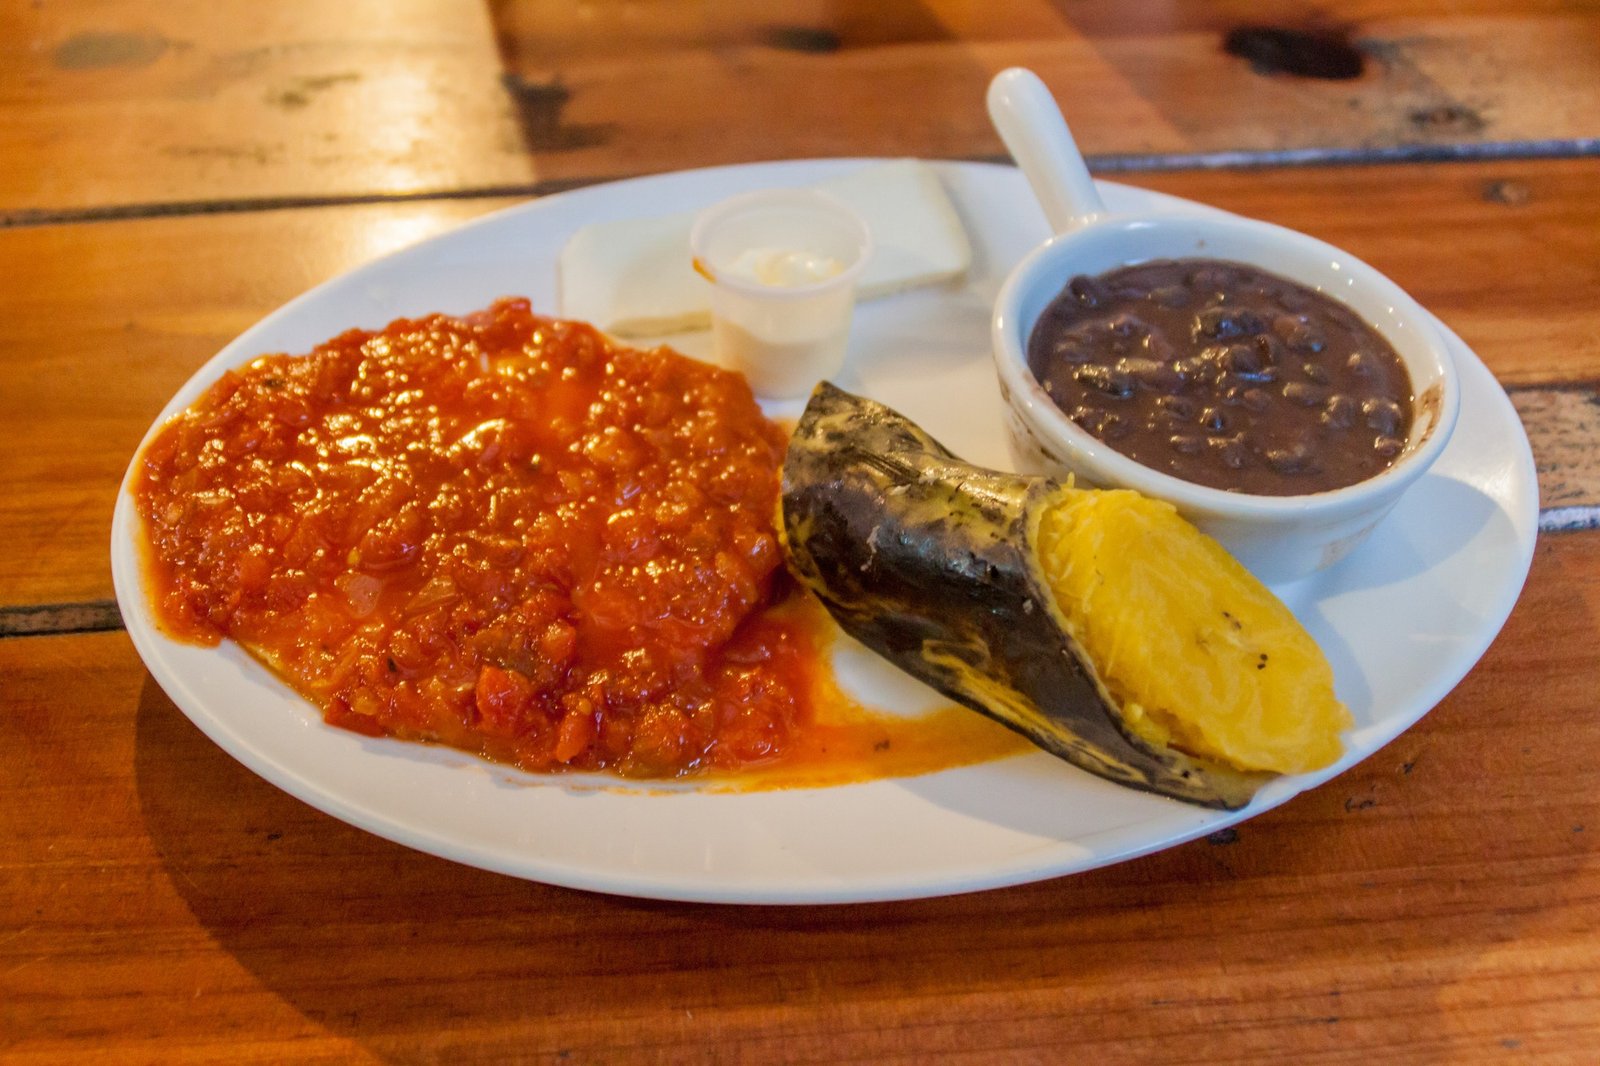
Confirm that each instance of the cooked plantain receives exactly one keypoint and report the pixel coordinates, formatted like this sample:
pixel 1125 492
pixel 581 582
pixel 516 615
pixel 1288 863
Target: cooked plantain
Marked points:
pixel 1100 625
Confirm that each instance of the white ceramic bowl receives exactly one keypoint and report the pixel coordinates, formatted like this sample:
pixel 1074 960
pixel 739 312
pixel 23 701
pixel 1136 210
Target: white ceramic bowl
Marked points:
pixel 1280 538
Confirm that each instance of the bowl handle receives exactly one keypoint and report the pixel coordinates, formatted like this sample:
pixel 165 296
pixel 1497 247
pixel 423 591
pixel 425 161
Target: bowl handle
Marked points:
pixel 1029 122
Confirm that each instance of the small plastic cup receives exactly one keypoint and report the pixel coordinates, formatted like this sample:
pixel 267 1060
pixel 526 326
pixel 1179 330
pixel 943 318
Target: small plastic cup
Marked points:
pixel 782 266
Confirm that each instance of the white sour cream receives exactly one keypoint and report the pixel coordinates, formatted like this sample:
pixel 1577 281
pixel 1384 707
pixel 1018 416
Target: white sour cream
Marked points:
pixel 784 268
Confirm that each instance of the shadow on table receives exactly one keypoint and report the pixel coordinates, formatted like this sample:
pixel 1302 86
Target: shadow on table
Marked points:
pixel 1314 925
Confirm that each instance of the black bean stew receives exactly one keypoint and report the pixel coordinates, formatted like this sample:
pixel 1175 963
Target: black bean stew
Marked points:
pixel 1224 375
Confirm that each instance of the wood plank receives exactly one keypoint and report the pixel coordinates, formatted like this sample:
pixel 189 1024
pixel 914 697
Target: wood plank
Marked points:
pixel 133 307
pixel 119 104
pixel 1436 903
pixel 122 102
pixel 624 88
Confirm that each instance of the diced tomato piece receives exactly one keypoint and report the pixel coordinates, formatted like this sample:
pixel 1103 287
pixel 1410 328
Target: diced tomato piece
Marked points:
pixel 503 699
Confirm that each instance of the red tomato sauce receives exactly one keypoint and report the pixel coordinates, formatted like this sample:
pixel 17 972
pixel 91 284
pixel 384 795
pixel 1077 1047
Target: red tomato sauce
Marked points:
pixel 502 532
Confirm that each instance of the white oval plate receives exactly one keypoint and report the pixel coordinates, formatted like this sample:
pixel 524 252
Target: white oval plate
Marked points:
pixel 1402 620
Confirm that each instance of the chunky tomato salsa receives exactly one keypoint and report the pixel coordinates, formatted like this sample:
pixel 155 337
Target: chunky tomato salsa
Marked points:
pixel 501 532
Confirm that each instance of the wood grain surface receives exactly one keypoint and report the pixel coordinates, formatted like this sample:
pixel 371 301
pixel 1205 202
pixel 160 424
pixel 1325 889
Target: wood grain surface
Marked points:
pixel 1435 904
pixel 144 303
pixel 604 88
pixel 170 173
pixel 119 104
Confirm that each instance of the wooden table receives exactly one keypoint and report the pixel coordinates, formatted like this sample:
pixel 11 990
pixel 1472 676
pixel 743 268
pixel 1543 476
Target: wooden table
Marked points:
pixel 170 173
